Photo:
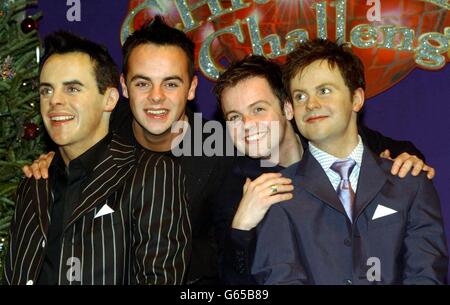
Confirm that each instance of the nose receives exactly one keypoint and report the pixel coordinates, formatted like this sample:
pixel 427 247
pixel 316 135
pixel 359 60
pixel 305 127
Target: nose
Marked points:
pixel 249 122
pixel 156 95
pixel 56 99
pixel 312 103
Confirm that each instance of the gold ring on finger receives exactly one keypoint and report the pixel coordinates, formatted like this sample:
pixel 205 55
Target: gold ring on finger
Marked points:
pixel 274 189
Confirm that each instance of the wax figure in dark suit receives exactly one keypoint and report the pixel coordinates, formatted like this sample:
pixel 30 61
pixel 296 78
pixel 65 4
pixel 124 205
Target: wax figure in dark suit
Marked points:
pixel 350 221
pixel 110 213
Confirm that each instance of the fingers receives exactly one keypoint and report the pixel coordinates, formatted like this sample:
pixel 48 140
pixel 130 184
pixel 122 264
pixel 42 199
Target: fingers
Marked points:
pixel 35 170
pixel 405 168
pixel 27 171
pixel 280 188
pixel 258 197
pixel 406 163
pixel 278 198
pixel 265 187
pixel 430 171
pixel 417 166
pixel 386 154
pixel 50 156
pixel 246 184
pixel 39 168
pixel 399 163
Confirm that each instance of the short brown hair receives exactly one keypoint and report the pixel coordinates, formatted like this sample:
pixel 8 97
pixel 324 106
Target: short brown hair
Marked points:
pixel 252 66
pixel 350 66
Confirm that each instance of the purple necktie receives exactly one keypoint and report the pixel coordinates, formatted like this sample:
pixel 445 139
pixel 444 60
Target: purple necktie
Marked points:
pixel 344 189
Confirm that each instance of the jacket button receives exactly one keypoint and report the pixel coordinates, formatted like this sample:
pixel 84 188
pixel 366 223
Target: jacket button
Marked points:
pixel 43 244
pixel 348 242
pixel 348 282
pixel 30 282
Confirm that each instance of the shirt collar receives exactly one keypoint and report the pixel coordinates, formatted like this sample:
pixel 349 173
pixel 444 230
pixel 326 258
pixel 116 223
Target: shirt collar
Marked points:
pixel 326 160
pixel 86 161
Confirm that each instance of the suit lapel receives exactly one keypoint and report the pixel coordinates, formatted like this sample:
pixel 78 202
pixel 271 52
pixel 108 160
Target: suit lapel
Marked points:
pixel 371 180
pixel 106 178
pixel 311 176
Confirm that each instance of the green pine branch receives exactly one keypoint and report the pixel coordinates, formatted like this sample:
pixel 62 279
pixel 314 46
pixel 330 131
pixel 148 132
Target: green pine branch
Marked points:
pixel 19 104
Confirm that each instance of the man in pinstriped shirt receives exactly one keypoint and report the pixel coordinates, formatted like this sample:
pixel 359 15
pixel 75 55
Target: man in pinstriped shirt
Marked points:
pixel 111 213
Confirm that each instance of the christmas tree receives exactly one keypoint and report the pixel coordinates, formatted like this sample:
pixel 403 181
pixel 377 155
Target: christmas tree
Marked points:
pixel 21 138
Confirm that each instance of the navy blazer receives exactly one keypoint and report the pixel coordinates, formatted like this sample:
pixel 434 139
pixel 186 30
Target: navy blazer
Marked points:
pixel 310 240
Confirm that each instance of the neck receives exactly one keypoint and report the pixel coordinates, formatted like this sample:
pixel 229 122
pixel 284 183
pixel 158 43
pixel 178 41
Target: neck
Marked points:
pixel 71 152
pixel 291 149
pixel 157 143
pixel 340 147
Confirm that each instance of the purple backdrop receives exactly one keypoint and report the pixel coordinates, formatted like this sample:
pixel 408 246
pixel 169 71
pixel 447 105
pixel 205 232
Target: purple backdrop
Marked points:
pixel 416 109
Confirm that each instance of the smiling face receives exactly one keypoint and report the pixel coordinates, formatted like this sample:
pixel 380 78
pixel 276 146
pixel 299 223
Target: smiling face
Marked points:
pixel 74 112
pixel 158 87
pixel 253 113
pixel 324 108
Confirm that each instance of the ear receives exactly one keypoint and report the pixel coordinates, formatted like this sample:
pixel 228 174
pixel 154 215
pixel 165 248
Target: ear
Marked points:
pixel 288 110
pixel 112 96
pixel 123 83
pixel 358 100
pixel 192 88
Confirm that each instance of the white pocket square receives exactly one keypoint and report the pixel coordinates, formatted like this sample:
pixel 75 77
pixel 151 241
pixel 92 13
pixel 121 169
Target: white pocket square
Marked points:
pixel 382 211
pixel 103 211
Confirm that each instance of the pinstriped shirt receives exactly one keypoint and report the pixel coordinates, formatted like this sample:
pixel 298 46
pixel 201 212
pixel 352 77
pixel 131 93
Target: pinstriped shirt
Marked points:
pixel 131 225
pixel 326 160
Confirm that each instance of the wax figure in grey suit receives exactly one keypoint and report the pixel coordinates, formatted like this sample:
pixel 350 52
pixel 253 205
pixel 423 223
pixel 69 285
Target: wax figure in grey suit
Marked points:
pixel 360 226
pixel 110 213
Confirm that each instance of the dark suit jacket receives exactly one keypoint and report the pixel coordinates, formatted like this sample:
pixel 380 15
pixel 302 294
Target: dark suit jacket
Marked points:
pixel 309 239
pixel 145 240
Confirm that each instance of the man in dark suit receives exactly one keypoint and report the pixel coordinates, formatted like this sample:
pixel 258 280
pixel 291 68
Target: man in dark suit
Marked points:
pixel 110 213
pixel 350 221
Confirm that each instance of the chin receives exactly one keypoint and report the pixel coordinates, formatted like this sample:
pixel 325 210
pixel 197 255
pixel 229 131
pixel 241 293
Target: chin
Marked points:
pixel 259 154
pixel 158 130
